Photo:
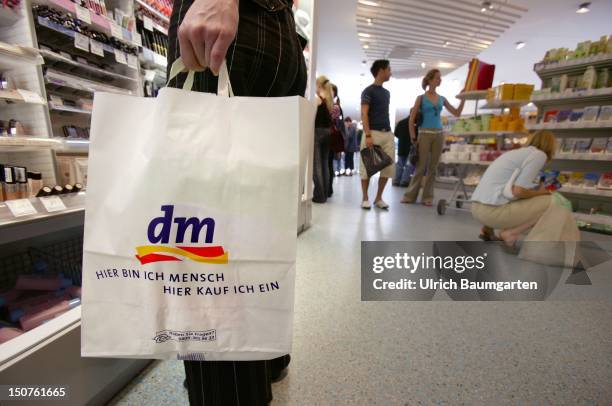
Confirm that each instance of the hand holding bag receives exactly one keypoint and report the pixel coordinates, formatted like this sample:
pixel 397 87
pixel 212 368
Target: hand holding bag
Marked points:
pixel 375 160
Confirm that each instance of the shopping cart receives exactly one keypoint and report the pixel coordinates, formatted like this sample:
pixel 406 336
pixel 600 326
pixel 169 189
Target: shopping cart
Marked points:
pixel 459 195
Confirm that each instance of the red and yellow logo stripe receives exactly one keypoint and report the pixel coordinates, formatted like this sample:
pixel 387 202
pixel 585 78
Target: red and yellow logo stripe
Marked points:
pixel 147 254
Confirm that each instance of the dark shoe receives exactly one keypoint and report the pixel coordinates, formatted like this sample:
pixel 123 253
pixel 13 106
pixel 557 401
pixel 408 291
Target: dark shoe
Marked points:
pixel 404 184
pixel 395 184
pixel 185 383
pixel 279 368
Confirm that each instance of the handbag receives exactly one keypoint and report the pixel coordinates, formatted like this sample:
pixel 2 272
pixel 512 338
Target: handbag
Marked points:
pixel 413 154
pixel 337 141
pixel 375 160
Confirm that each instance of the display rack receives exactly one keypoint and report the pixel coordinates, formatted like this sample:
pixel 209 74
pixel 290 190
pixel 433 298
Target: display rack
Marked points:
pixel 587 200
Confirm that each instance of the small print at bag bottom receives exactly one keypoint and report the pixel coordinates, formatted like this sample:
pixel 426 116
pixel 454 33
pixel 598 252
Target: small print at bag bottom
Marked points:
pixel 190 225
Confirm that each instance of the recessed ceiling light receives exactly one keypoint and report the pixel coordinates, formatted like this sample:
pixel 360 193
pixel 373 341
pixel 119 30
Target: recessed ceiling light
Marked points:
pixel 445 65
pixel 423 65
pixel 485 6
pixel 370 21
pixel 583 8
pixel 369 3
pixel 446 43
pixel 366 46
pixel 519 45
pixel 364 35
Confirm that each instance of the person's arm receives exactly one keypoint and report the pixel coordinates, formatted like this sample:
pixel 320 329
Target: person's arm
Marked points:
pixel 522 193
pixel 454 111
pixel 206 32
pixel 365 109
pixel 412 119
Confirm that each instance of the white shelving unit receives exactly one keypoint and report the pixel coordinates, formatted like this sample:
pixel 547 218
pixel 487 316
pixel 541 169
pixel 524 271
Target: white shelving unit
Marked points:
pixel 584 199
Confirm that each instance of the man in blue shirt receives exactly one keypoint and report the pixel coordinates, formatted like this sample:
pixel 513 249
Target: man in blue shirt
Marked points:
pixel 377 129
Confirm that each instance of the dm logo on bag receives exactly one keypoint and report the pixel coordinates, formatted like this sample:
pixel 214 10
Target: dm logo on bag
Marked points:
pixel 159 233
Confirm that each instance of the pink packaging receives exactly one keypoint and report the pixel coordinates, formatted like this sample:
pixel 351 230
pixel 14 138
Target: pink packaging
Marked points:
pixel 51 301
pixel 484 156
pixel 35 282
pixel 33 300
pixel 33 320
pixel 8 333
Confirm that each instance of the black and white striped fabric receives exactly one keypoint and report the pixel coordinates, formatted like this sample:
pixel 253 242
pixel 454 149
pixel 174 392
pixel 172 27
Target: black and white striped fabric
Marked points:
pixel 265 60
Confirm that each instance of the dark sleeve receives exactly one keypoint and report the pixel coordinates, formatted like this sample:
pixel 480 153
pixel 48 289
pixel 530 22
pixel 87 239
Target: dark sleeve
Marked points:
pixel 366 96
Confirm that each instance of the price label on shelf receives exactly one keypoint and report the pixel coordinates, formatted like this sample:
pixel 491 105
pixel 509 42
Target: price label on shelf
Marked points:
pixel 81 41
pixel 116 30
pixel 83 14
pixel 120 57
pixel 148 23
pixel 96 47
pixel 137 39
pixel 30 97
pixel 21 207
pixel 132 61
pixel 52 203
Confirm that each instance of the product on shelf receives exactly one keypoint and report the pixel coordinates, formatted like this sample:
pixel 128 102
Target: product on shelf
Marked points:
pixel 564 177
pixel 609 147
pixel 510 92
pixel 8 333
pixel 599 145
pixel 583 49
pixel 37 282
pixel 590 113
pixel 605 182
pixel 583 145
pixel 30 321
pixel 605 113
pixel 568 145
pixel 591 179
pixel 550 116
pixel 480 75
pixel 576 115
pixel 577 179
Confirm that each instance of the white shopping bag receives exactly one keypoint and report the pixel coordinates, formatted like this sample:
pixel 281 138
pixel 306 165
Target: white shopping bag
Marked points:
pixel 190 225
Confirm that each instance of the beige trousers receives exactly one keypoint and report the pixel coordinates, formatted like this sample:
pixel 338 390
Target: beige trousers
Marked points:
pixel 430 144
pixel 511 214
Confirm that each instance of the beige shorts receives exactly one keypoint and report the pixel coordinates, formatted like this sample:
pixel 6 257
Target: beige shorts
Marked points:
pixel 511 214
pixel 386 140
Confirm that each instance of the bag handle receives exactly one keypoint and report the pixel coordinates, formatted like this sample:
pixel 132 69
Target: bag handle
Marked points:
pixel 224 87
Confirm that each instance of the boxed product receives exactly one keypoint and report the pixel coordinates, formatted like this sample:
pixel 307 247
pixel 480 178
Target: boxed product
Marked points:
pixel 591 180
pixel 522 91
pixel 550 116
pixel 609 148
pixel 605 113
pixel 564 115
pixel 589 78
pixel 568 145
pixel 590 113
pixel 598 145
pixel 576 115
pixel 583 145
pixel 505 92
pixel 605 182
pixel 564 177
pixel 577 179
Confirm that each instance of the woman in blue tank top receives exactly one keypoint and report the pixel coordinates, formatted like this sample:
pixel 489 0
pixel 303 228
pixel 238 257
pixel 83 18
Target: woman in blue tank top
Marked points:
pixel 431 140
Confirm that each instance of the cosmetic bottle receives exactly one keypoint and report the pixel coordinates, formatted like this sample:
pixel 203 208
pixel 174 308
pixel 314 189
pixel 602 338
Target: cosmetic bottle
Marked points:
pixel 67 189
pixel 35 183
pixel 8 333
pixel 77 187
pixel 30 321
pixel 11 189
pixel 44 191
pixel 21 177
pixel 57 190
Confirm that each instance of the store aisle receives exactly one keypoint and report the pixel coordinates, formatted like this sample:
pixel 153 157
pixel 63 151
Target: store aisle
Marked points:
pixel 352 352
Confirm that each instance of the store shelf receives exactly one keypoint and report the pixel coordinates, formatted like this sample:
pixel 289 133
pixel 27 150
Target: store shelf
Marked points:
pixel 154 11
pixel 585 191
pixel 68 109
pixel 488 133
pixel 157 27
pixel 594 218
pixel 74 82
pixel 29 340
pixel 573 125
pixel 153 60
pixel 8 16
pixel 587 156
pixel 17 96
pixel 19 143
pixel 472 95
pixel 569 97
pixel 55 57
pixel 72 145
pixel 98 22
pixel 501 104
pixel 15 57
pixel 574 66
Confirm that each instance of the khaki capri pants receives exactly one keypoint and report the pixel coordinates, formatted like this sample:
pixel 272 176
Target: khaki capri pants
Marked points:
pixel 511 214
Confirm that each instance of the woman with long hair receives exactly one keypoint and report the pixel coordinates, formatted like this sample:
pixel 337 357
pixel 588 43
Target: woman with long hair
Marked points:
pixel 516 207
pixel 323 123
pixel 431 140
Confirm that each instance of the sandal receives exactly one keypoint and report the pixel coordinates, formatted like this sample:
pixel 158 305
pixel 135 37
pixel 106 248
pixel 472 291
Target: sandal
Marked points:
pixel 406 201
pixel 428 204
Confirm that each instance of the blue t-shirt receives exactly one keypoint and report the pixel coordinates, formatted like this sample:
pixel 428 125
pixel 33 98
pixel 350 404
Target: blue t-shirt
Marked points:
pixel 378 98
pixel 432 117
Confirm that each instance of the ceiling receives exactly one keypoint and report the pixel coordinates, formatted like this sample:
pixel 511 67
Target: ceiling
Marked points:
pixel 546 24
pixel 416 35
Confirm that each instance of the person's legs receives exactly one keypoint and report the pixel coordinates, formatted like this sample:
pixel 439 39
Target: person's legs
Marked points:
pixel 365 184
pixel 330 168
pixel 382 182
pixel 437 143
pixel 320 172
pixel 386 140
pixel 400 165
pixel 424 145
pixel 349 163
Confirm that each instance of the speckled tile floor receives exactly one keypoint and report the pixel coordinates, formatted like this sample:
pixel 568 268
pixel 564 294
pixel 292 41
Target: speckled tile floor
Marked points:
pixel 416 353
